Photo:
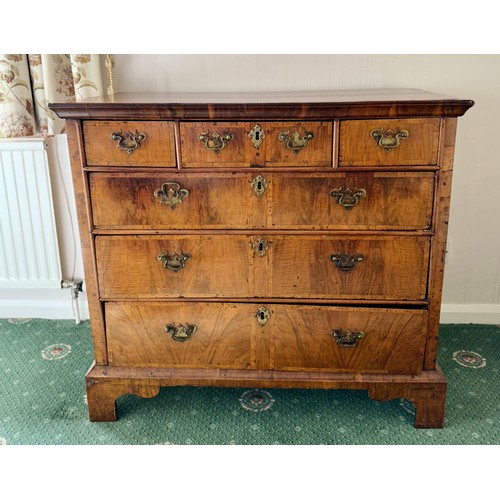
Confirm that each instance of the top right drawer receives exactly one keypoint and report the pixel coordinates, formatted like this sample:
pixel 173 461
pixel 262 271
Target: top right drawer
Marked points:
pixel 412 141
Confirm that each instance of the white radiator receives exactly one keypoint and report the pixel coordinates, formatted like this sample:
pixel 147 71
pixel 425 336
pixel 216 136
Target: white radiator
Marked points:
pixel 29 252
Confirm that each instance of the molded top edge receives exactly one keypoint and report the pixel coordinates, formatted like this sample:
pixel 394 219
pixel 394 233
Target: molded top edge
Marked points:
pixel 325 103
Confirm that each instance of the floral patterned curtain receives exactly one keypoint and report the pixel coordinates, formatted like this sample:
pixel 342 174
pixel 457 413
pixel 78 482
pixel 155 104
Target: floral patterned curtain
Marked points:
pixel 28 83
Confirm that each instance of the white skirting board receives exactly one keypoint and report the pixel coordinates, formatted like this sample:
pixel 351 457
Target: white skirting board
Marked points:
pixel 56 304
pixel 46 304
pixel 484 314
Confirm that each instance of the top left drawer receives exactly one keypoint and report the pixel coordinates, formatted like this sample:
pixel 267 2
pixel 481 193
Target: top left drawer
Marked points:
pixel 129 143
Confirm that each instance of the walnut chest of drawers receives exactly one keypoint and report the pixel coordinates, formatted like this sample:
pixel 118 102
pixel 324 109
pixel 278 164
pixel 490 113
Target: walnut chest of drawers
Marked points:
pixel 265 240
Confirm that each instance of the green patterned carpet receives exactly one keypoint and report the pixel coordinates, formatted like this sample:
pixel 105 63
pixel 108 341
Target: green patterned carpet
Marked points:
pixel 42 400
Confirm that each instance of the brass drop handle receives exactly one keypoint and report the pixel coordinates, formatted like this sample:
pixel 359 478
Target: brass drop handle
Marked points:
pixel 173 262
pixel 127 141
pixel 388 139
pixel 171 194
pixel 345 262
pixel 180 333
pixel 347 339
pixel 346 197
pixel 294 141
pixel 217 142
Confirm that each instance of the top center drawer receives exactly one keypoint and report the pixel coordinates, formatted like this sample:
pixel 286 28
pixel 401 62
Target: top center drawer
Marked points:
pixel 263 144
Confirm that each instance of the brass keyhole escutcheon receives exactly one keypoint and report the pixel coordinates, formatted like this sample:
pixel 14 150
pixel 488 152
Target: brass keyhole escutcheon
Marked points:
pixel 259 185
pixel 261 246
pixel 263 314
pixel 256 135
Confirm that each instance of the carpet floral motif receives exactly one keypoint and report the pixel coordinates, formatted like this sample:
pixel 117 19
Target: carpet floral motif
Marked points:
pixel 256 400
pixel 56 351
pixel 469 359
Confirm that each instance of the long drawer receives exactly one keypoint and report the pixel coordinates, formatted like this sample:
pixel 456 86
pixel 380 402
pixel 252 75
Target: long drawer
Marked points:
pixel 371 200
pixel 265 336
pixel 280 266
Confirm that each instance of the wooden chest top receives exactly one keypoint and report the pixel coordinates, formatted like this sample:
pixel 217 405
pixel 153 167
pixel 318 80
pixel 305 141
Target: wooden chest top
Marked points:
pixel 373 103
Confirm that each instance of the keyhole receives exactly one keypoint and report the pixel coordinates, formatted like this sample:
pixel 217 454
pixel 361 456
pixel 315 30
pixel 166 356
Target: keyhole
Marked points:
pixel 262 316
pixel 257 135
pixel 259 185
pixel 261 247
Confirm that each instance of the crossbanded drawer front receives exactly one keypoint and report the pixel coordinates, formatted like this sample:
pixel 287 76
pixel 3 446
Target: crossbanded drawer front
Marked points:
pixel 412 141
pixel 173 266
pixel 189 335
pixel 129 143
pixel 370 200
pixel 265 336
pixel 245 144
pixel 292 266
pixel 348 267
pixel 374 200
pixel 323 338
pixel 159 201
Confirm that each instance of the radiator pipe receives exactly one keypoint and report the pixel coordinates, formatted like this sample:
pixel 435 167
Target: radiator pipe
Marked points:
pixel 76 287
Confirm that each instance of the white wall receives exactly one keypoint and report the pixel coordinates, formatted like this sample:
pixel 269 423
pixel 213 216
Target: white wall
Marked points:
pixel 472 280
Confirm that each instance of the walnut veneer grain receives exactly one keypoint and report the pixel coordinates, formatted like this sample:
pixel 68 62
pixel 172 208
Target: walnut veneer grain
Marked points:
pixel 314 265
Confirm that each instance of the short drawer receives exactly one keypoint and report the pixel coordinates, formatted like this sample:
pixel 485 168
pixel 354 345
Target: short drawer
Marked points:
pixel 177 201
pixel 371 200
pixel 129 143
pixel 173 266
pixel 412 141
pixel 245 144
pixel 189 335
pixel 348 267
pixel 348 339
